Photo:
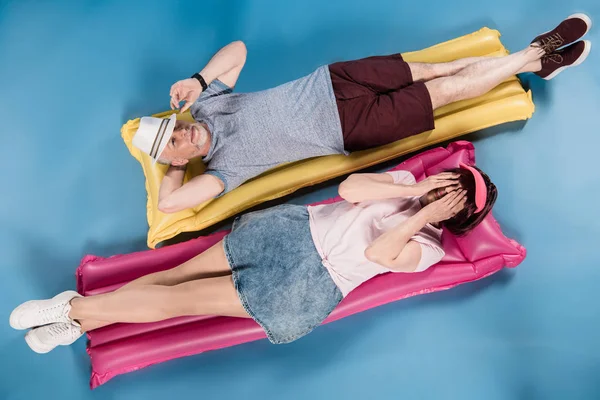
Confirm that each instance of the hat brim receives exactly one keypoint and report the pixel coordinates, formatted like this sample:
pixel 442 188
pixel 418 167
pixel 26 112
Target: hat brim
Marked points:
pixel 166 137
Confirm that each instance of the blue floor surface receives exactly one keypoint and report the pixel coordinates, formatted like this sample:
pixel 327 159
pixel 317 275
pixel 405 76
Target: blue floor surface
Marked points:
pixel 72 72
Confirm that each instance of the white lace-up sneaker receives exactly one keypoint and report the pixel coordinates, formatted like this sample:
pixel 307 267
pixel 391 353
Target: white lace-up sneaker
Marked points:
pixel 43 312
pixel 46 338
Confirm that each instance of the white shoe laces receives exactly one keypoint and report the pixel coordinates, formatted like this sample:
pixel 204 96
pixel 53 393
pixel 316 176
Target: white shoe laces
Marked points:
pixel 62 331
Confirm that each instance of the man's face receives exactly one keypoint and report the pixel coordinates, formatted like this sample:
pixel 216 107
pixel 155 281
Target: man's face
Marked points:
pixel 186 143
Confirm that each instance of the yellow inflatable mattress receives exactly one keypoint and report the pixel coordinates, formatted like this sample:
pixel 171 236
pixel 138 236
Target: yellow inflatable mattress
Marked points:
pixel 507 102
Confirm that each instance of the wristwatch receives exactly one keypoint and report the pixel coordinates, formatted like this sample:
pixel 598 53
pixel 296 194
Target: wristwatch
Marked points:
pixel 201 80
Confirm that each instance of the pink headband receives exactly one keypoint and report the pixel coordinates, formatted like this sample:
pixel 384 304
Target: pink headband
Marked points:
pixel 480 188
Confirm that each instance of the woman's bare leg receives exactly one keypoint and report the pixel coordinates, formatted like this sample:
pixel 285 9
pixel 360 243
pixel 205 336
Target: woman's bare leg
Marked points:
pixel 150 303
pixel 208 264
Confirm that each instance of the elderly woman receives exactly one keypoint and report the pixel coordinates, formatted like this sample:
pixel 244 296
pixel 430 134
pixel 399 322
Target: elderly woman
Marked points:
pixel 289 266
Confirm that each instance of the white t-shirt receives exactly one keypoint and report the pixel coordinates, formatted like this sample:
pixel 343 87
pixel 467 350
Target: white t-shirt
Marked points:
pixel 342 232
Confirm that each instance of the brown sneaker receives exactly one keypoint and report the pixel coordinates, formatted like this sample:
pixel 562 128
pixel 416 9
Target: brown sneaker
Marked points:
pixel 570 30
pixel 571 56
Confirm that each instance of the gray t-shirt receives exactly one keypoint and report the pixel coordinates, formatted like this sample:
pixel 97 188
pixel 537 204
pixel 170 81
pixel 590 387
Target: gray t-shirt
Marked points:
pixel 254 132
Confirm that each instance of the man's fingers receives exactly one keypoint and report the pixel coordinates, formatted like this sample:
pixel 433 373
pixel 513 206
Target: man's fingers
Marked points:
pixel 174 89
pixel 176 99
pixel 188 101
pixel 174 104
pixel 186 97
pixel 186 105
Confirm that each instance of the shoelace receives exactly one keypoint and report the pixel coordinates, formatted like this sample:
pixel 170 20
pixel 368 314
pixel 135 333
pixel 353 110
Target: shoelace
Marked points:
pixel 52 314
pixel 62 330
pixel 551 43
pixel 555 58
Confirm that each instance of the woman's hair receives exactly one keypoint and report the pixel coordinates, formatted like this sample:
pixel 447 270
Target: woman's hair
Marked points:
pixel 467 219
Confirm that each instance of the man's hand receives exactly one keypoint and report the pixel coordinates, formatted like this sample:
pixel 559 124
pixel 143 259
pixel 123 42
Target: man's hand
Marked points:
pixel 187 90
pixel 435 181
pixel 446 207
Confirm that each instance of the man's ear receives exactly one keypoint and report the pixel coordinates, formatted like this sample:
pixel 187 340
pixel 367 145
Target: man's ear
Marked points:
pixel 179 162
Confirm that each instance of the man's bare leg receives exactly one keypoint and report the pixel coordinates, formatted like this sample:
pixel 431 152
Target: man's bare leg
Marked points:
pixel 480 77
pixel 428 71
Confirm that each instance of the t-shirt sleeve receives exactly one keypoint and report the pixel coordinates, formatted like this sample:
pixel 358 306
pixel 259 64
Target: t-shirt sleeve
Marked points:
pixel 216 88
pixel 221 177
pixel 230 180
pixel 402 177
pixel 431 252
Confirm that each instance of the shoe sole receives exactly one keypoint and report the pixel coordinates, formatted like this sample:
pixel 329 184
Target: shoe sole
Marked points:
pixel 585 18
pixel 42 348
pixel 582 57
pixel 36 346
pixel 582 16
pixel 15 316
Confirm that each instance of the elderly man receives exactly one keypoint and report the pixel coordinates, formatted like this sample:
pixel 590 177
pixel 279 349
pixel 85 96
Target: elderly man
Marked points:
pixel 339 108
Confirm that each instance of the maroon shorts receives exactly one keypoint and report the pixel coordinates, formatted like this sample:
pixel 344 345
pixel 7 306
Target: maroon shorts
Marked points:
pixel 378 101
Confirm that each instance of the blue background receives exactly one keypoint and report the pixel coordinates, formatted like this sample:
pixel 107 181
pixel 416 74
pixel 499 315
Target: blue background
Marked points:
pixel 72 72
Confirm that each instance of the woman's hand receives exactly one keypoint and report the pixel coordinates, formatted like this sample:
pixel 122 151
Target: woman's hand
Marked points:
pixel 187 90
pixel 446 207
pixel 435 181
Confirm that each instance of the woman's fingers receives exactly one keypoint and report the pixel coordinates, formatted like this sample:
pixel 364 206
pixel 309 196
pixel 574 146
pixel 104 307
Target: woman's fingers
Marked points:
pixel 458 208
pixel 445 182
pixel 452 188
pixel 459 196
pixel 447 199
pixel 447 175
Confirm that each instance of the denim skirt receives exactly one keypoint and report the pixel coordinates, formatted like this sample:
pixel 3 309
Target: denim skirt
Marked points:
pixel 278 273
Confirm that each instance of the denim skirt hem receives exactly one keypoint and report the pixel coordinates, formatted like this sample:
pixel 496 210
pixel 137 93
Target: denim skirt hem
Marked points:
pixel 278 274
pixel 242 296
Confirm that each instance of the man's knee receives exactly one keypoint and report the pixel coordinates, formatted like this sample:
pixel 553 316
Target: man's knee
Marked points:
pixel 438 92
pixel 446 90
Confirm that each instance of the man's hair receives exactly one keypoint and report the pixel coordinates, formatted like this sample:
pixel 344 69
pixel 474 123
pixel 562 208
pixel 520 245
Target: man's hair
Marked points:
pixel 163 161
pixel 467 219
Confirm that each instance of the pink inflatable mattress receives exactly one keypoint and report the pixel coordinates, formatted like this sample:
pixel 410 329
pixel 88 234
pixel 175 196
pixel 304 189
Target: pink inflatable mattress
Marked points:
pixel 122 348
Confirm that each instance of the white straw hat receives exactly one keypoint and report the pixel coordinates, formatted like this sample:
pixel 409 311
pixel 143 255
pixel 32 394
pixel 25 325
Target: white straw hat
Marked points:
pixel 153 135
